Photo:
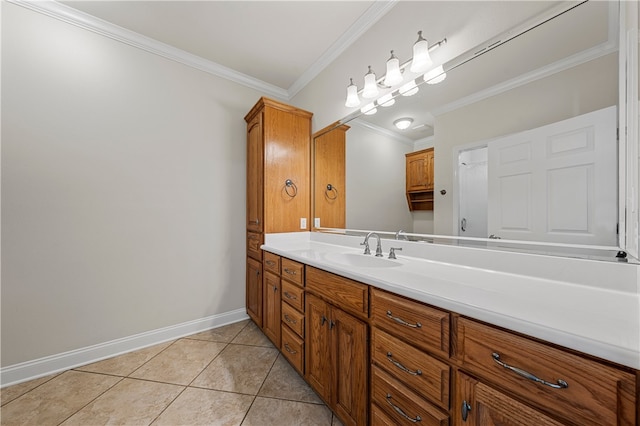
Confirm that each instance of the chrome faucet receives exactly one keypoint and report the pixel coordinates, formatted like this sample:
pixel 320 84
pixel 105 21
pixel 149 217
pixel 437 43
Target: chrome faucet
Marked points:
pixel 366 244
pixel 399 236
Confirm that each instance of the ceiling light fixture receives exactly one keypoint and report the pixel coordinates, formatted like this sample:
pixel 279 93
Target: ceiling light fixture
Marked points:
pixel 370 85
pixel 369 109
pixel 403 123
pixel 435 76
pixel 393 76
pixel 386 100
pixel 420 62
pixel 421 59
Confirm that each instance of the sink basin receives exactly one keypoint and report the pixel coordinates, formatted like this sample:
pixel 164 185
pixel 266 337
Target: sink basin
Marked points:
pixel 361 260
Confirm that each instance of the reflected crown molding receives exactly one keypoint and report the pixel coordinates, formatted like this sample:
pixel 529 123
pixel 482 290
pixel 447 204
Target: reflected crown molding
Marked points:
pixel 382 131
pixel 89 22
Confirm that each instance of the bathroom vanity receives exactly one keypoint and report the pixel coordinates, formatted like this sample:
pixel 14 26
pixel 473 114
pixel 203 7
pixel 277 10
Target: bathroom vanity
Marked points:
pixel 423 340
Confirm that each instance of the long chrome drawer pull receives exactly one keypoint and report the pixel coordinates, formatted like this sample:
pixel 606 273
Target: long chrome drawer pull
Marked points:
pixel 561 383
pixel 290 296
pixel 402 413
pixel 291 351
pixel 270 262
pixel 402 367
pixel 290 271
pixel 400 321
pixel 288 319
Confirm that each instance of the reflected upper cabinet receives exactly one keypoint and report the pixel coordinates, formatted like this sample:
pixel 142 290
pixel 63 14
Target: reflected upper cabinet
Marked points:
pixel 278 167
pixel 420 179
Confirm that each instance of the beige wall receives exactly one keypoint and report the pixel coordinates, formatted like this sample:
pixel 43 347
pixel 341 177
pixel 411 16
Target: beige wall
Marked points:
pixel 123 189
pixel 576 91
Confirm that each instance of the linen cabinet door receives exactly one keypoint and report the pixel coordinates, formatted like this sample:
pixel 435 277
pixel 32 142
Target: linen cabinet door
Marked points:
pixel 349 349
pixel 478 404
pixel 255 176
pixel 317 345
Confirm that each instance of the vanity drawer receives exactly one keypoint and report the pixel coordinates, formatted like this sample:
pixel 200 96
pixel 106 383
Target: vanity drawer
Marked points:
pixel 293 318
pixel 254 241
pixel 271 262
pixel 292 347
pixel 422 325
pixel 379 418
pixel 401 404
pixel 596 394
pixel 424 374
pixel 293 295
pixel 344 293
pixel 293 271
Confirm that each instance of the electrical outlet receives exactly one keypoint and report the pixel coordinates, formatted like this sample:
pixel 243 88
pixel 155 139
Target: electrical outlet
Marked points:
pixel 303 223
pixel 316 222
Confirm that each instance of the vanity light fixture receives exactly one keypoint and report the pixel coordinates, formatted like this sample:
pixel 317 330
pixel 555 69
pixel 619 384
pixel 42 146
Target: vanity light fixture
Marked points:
pixel 421 59
pixel 409 89
pixel 403 123
pixel 370 85
pixel 393 76
pixel 420 62
pixel 369 109
pixel 352 95
pixel 386 100
pixel 435 76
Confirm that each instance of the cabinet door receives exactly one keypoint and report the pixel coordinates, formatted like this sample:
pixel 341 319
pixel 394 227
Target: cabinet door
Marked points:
pixel 254 174
pixel 420 171
pixel 254 291
pixel 477 404
pixel 349 352
pixel 317 355
pixel 271 307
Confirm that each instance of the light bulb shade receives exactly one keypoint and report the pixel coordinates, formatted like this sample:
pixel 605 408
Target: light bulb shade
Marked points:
pixel 352 96
pixel 386 100
pixel 403 123
pixel 369 109
pixel 393 76
pixel 435 76
pixel 409 89
pixel 370 85
pixel 421 59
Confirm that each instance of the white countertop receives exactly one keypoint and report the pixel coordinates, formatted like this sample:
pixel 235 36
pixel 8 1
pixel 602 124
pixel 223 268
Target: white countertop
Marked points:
pixel 589 306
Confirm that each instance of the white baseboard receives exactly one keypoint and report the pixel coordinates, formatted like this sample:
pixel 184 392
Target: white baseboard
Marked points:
pixel 30 370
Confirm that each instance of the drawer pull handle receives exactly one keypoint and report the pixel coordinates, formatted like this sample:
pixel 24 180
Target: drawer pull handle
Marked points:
pixel 288 349
pixel 290 271
pixel 465 410
pixel 561 383
pixel 257 221
pixel 402 413
pixel 288 319
pixel 271 262
pixel 400 321
pixel 290 296
pixel 402 367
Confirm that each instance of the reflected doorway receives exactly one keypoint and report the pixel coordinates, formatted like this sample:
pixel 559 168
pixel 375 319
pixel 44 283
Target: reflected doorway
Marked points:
pixel 473 192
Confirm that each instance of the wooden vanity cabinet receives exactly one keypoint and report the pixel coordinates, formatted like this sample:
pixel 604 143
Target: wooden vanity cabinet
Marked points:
pixel 292 313
pixel 271 292
pixel 336 355
pixel 572 388
pixel 419 179
pixel 278 192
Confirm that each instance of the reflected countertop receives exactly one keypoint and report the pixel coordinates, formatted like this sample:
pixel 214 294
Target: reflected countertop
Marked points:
pixel 589 306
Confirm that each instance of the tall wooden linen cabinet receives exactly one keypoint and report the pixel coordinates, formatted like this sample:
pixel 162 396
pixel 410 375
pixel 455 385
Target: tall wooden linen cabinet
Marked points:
pixel 278 184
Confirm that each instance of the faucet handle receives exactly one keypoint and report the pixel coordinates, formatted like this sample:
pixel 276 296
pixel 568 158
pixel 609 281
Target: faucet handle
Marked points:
pixel 366 247
pixel 392 252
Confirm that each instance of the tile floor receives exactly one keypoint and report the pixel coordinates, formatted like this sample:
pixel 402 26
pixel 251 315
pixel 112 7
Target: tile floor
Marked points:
pixel 232 375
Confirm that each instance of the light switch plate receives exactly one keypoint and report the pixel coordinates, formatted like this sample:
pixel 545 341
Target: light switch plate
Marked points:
pixel 303 223
pixel 316 222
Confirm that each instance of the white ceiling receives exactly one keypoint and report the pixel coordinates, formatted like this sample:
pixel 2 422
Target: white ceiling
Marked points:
pixel 276 42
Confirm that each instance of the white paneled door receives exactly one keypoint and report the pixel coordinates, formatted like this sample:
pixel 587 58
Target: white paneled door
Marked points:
pixel 556 183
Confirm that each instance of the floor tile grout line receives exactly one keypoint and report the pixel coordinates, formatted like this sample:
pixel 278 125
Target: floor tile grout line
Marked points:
pixel 168 405
pixel 98 396
pixel 32 389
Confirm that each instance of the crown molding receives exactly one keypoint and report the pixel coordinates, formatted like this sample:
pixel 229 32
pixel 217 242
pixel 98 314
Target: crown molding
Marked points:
pixel 381 130
pixel 376 11
pixel 88 22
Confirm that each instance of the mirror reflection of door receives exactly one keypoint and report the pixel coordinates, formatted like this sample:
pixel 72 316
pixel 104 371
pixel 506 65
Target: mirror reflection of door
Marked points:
pixel 472 192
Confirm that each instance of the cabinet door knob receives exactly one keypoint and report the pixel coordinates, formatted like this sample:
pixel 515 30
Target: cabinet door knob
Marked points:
pixel 465 410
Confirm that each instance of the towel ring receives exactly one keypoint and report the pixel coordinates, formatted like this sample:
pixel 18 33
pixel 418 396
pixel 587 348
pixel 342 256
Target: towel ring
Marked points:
pixel 290 188
pixel 331 190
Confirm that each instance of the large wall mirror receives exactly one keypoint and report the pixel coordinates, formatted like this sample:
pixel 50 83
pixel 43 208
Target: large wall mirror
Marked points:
pixel 524 138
